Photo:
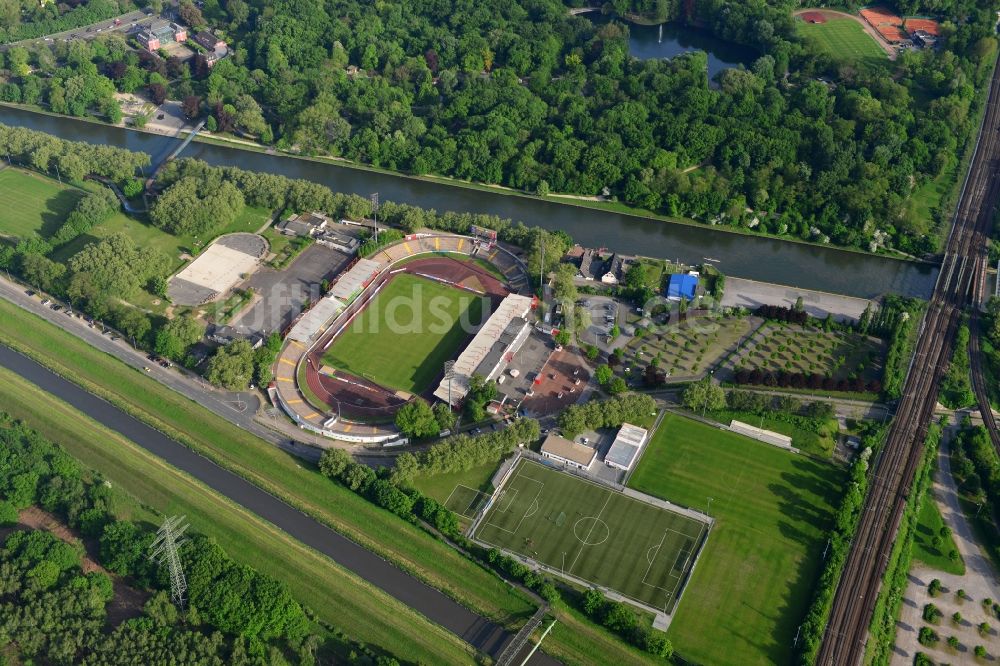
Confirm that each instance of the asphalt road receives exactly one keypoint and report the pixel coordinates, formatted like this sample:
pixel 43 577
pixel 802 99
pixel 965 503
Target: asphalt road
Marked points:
pixel 139 17
pixel 476 630
pixel 237 408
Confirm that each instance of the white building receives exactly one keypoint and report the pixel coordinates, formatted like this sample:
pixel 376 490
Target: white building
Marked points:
pixel 626 447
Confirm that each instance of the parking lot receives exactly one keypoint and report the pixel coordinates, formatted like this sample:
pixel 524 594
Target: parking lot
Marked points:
pixel 602 314
pixel 280 295
pixel 527 362
pixel 560 384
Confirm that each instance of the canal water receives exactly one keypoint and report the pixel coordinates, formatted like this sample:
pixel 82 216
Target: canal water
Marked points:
pixel 751 257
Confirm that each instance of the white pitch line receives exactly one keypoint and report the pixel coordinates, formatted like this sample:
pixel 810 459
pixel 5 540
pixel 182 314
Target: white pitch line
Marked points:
pixel 596 518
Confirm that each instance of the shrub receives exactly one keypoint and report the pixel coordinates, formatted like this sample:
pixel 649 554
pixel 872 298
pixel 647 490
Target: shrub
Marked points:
pixel 928 637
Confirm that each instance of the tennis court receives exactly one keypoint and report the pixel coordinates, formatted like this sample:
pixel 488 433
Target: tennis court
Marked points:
pixel 592 532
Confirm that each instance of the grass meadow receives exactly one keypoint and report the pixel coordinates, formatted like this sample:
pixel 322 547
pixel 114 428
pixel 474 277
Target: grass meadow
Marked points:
pixel 339 597
pixel 574 641
pixel 405 334
pixel 754 581
pixel 930 546
pixel 33 204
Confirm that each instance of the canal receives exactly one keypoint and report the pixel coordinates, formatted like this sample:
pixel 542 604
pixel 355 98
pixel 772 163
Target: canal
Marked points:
pixel 752 257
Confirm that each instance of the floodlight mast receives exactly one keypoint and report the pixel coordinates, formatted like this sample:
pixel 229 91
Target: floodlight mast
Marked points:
pixel 374 199
pixel 164 549
pixel 449 374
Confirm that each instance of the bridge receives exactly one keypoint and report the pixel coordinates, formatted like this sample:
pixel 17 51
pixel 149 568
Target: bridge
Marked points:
pixel 177 151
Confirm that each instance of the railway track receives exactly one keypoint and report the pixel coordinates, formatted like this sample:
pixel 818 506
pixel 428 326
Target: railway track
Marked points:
pixel 960 282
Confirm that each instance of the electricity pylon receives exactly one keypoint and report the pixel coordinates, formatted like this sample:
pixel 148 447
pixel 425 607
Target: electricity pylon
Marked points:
pixel 163 550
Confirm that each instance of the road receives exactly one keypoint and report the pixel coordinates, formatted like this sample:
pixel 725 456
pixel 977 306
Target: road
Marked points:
pixel 960 282
pixel 479 632
pixel 239 408
pixel 128 22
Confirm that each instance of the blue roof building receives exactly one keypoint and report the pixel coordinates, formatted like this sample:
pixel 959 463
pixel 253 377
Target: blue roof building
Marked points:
pixel 682 285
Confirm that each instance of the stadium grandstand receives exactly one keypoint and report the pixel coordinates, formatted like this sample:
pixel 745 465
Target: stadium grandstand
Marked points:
pixel 344 299
pixel 491 349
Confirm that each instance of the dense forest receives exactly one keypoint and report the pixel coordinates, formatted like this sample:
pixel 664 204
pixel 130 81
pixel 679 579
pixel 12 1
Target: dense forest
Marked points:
pixel 26 19
pixel 53 612
pixel 520 93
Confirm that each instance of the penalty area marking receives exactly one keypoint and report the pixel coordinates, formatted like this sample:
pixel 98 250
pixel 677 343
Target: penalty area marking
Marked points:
pixel 531 510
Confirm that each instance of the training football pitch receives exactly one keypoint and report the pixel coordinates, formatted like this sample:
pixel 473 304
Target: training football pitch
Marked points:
pixel 844 39
pixel 405 334
pixel 583 529
pixel 32 203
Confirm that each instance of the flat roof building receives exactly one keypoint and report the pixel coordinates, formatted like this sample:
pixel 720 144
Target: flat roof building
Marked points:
pixel 567 452
pixel 626 447
pixel 682 285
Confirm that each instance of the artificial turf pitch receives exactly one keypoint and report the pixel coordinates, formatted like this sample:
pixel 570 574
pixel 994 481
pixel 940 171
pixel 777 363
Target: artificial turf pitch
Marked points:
pixel 405 334
pixel 585 530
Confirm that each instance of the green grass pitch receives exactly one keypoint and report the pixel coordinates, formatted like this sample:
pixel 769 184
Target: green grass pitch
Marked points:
pixel 31 203
pixel 772 508
pixel 591 532
pixel 844 39
pixel 405 334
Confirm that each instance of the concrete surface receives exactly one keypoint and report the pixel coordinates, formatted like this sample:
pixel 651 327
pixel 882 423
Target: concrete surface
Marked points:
pixel 751 295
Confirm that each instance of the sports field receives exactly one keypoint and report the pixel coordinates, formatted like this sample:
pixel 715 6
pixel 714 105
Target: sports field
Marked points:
pixel 755 578
pixel 405 334
pixel 844 39
pixel 594 533
pixel 33 204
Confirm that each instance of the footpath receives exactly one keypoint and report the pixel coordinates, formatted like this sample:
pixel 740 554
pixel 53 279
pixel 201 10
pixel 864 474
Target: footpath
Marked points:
pixel 979 582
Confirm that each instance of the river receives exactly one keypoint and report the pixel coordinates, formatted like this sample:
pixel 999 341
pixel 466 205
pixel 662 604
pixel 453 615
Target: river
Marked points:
pixel 752 257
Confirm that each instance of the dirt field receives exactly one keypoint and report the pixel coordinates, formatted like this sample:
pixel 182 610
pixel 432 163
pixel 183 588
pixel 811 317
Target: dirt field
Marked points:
pixel 360 399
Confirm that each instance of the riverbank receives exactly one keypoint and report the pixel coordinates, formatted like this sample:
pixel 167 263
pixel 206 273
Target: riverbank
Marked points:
pixel 562 198
pixel 592 224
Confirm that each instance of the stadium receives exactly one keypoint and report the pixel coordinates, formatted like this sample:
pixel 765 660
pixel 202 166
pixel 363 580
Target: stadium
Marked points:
pixel 382 334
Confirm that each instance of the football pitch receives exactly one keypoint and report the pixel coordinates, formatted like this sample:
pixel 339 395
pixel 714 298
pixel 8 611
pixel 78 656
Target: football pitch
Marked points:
pixel 405 334
pixel 585 530
pixel 844 39
pixel 32 203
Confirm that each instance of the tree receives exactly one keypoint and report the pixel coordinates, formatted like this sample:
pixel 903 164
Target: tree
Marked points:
pixel 603 374
pixel 333 462
pixel 193 206
pixel 417 419
pixel 232 366
pixel 191 107
pixel 133 322
pixel 617 386
pixel 704 395
pixel 444 416
pixel 174 339
pixel 8 514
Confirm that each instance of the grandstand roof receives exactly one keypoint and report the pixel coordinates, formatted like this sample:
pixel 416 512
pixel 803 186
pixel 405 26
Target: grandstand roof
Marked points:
pixel 626 446
pixel 353 281
pixel 496 327
pixel 313 322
